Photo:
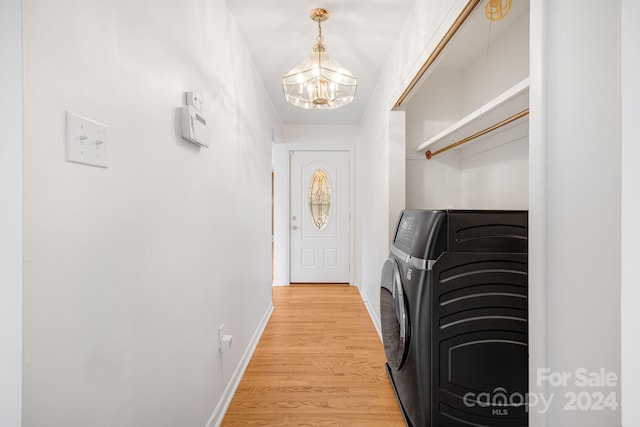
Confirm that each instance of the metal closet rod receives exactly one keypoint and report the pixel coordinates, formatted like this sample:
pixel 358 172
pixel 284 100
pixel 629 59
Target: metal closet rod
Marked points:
pixel 505 122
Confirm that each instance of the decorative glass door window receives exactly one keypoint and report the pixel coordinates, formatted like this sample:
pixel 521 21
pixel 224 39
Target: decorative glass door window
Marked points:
pixel 320 199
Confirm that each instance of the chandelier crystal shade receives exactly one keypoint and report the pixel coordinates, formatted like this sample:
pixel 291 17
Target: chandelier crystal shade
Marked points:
pixel 319 81
pixel 497 9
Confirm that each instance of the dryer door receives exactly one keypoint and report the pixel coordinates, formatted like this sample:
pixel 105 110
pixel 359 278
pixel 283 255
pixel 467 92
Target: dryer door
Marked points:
pixel 395 319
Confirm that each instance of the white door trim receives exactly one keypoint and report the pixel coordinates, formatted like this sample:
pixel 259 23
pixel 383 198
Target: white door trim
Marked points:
pixel 282 208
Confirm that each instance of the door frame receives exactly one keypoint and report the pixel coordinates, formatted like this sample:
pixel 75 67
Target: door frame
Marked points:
pixel 342 155
pixel 282 206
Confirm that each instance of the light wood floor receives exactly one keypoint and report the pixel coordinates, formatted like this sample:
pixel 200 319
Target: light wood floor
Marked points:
pixel 320 362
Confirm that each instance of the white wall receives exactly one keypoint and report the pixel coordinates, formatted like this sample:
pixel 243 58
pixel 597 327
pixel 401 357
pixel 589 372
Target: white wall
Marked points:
pixel 372 211
pixel 379 156
pixel 436 185
pixel 497 178
pixel 130 270
pixel 395 171
pixel 434 106
pixel 630 292
pixel 11 213
pixel 574 281
pixel 302 137
pixel 501 65
pixel 477 177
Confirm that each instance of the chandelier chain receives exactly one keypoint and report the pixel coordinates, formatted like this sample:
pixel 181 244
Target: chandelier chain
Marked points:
pixel 319 46
pixel 320 38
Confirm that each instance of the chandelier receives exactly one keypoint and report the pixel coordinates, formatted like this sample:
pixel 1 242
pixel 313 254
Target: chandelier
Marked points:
pixel 319 81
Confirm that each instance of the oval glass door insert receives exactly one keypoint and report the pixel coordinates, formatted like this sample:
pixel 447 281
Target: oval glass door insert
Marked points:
pixel 320 199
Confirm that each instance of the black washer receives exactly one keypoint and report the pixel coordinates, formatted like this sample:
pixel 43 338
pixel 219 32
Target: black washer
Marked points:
pixel 453 306
pixel 395 319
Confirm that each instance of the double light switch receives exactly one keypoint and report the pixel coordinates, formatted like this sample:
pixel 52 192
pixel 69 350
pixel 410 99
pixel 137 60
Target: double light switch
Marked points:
pixel 86 141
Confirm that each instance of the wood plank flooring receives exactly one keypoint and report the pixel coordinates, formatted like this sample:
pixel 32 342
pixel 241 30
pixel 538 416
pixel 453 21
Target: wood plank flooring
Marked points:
pixel 320 362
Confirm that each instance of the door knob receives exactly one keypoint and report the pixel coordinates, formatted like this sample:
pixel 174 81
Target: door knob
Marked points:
pixel 295 227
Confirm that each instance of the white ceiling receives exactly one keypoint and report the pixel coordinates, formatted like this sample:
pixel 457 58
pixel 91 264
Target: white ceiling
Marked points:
pixel 359 35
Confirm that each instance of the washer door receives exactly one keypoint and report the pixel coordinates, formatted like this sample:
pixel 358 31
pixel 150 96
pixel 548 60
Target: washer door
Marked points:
pixel 395 319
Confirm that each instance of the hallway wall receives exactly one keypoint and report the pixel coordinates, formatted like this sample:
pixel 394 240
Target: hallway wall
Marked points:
pixel 381 151
pixel 130 270
pixel 575 205
pixel 630 291
pixel 10 212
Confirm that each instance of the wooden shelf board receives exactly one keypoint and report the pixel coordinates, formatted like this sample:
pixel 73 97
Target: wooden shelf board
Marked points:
pixel 508 103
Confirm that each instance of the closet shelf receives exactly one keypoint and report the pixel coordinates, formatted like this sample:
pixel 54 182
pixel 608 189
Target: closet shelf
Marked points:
pixel 509 106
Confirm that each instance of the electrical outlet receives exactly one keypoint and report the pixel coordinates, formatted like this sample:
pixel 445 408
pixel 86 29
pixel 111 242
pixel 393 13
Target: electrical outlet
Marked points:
pixel 224 341
pixel 220 334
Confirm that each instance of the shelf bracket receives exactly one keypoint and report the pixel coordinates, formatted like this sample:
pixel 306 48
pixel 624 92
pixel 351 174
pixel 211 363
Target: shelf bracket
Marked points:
pixel 505 122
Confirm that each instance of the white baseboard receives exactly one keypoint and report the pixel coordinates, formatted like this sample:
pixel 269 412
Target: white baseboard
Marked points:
pixel 372 313
pixel 276 284
pixel 232 386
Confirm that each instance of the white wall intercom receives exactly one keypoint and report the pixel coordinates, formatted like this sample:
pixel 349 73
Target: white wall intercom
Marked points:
pixel 194 125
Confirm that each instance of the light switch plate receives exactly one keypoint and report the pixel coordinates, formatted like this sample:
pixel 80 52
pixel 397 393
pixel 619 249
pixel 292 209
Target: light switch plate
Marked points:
pixel 86 141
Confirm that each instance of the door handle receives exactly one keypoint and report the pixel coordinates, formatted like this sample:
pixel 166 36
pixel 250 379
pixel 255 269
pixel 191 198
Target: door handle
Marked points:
pixel 295 227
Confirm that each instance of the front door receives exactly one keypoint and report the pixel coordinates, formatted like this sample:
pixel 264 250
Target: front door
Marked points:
pixel 319 216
